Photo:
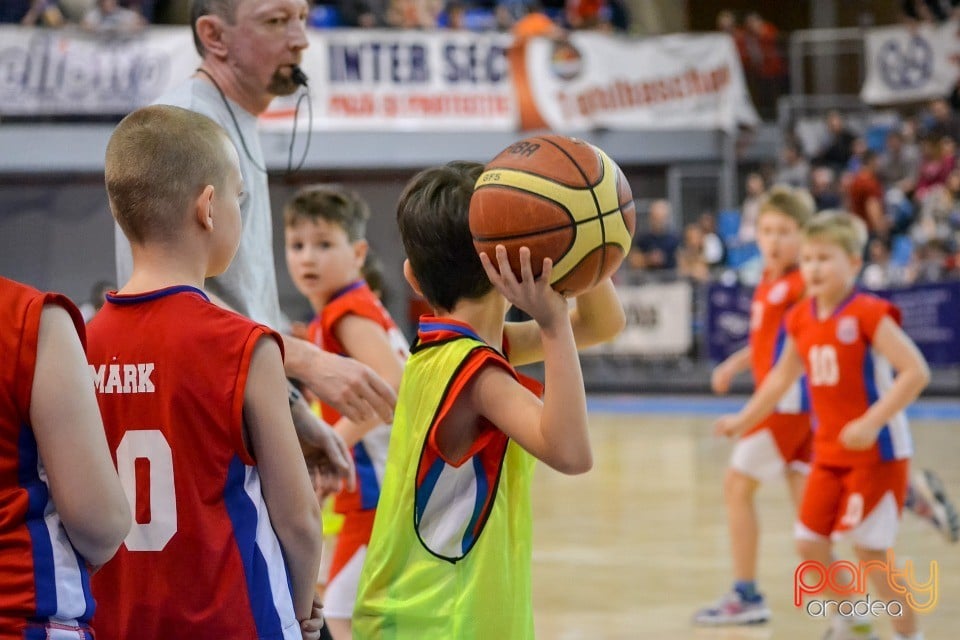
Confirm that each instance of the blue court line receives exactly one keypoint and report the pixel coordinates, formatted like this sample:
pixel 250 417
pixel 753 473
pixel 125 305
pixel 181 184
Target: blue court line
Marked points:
pixel 931 409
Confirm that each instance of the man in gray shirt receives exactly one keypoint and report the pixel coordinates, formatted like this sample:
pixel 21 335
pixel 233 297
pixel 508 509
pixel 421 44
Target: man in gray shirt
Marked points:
pixel 250 50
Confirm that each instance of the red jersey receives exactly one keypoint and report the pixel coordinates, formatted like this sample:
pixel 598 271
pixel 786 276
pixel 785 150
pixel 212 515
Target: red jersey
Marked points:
pixel 201 559
pixel 370 454
pixel 42 577
pixel 772 299
pixel 846 376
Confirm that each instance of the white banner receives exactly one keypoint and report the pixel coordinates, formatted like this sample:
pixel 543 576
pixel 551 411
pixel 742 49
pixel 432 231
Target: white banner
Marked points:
pixel 56 72
pixel 376 80
pixel 675 81
pixel 909 64
pixel 405 80
pixel 659 320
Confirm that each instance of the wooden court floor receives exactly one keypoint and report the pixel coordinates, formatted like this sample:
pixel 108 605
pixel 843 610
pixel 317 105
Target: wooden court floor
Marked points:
pixel 631 549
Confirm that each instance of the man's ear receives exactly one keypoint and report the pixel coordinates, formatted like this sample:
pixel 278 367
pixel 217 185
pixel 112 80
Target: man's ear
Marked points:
pixel 210 33
pixel 411 278
pixel 204 208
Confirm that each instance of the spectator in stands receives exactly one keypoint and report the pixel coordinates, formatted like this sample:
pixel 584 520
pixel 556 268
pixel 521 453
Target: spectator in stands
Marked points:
pixel 584 14
pixel 794 170
pixel 938 157
pixel 714 252
pixel 655 248
pixel 939 120
pixel 880 272
pixel 535 23
pixel 414 14
pixel 899 163
pixel 44 13
pixel 823 188
pixel 764 61
pixel 364 14
pixel 929 10
pixel 857 150
pixel 866 197
pixel 750 209
pixel 454 16
pixel 835 152
pixel 727 23
pixel 929 262
pixel 109 18
pixel 691 258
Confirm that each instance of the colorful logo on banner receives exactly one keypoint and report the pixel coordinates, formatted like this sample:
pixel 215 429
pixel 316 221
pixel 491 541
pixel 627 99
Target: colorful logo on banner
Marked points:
pixel 906 65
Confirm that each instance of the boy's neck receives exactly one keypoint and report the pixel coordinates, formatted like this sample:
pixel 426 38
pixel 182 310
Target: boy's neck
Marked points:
pixel 774 273
pixel 485 315
pixel 158 267
pixel 828 304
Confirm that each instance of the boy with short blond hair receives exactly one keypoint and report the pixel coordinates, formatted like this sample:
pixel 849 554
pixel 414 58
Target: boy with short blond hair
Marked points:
pixel 779 446
pixel 849 344
pixel 226 535
pixel 326 250
pixel 450 552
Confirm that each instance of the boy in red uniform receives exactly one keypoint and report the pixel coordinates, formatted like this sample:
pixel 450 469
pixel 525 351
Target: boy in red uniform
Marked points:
pixel 778 446
pixel 226 535
pixel 326 249
pixel 849 343
pixel 56 479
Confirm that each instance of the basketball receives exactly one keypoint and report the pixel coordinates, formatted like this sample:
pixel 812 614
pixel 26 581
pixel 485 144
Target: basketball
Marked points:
pixel 564 199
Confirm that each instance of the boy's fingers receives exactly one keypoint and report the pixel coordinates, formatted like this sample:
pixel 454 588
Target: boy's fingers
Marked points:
pixel 547 270
pixel 526 270
pixel 488 267
pixel 506 272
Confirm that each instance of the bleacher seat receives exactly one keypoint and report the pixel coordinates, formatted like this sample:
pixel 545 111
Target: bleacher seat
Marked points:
pixel 740 254
pixel 728 225
pixel 900 251
pixel 324 16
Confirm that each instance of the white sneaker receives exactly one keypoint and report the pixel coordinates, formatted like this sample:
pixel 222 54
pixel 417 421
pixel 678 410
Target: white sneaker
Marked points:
pixel 731 609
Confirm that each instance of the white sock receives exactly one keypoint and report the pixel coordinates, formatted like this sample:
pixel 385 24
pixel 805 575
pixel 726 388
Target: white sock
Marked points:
pixel 917 635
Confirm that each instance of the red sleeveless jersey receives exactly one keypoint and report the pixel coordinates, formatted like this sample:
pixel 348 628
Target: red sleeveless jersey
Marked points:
pixel 846 376
pixel 772 299
pixel 202 559
pixel 370 454
pixel 41 576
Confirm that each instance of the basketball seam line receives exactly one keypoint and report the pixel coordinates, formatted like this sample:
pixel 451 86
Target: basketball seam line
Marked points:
pixel 593 194
pixel 544 230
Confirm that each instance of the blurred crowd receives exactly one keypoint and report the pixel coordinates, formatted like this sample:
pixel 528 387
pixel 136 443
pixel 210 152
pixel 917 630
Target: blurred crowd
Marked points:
pixel 901 177
pixel 115 16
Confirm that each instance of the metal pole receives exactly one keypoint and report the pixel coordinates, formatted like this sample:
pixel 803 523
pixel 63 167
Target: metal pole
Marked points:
pixel 728 169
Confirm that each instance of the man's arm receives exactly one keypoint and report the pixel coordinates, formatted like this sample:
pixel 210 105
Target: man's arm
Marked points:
pixel 350 387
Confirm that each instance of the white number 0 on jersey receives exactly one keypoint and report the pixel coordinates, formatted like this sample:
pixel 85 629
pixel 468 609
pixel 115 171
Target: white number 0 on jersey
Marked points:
pixel 152 445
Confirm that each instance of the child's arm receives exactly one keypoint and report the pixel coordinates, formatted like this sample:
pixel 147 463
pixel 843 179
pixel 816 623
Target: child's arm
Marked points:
pixel 366 341
pixel 597 317
pixel 763 401
pixel 726 371
pixel 72 444
pixel 554 431
pixel 286 487
pixel 912 376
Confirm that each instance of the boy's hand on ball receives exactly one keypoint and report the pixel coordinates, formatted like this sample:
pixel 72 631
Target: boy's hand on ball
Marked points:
pixel 532 295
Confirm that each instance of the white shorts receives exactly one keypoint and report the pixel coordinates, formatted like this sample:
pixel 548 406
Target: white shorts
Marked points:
pixel 341 593
pixel 878 531
pixel 757 456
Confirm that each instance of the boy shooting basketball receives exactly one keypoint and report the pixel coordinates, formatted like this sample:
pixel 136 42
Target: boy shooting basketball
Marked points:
pixel 449 556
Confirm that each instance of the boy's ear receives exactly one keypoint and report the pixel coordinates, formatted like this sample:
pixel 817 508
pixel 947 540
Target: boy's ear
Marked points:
pixel 360 249
pixel 411 278
pixel 204 208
